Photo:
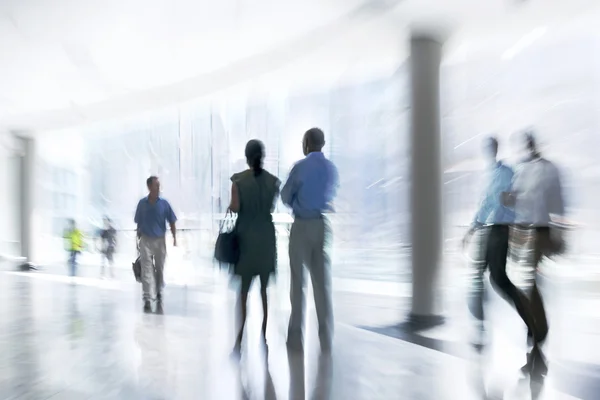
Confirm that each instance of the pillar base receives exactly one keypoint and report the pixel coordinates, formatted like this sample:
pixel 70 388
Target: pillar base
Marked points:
pixel 421 322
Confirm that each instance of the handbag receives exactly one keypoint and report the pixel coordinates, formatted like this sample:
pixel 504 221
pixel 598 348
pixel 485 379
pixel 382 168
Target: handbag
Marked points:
pixel 136 266
pixel 227 247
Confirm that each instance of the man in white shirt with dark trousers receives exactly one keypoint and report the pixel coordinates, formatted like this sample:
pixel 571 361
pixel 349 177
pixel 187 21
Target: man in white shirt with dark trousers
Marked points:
pixel 537 198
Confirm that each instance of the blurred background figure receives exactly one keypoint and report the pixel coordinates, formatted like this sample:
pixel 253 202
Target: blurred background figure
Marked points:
pixel 108 246
pixel 309 192
pixel 253 195
pixel 74 245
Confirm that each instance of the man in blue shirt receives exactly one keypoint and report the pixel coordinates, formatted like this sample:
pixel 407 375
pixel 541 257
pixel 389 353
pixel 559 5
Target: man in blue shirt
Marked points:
pixel 492 221
pixel 151 216
pixel 309 192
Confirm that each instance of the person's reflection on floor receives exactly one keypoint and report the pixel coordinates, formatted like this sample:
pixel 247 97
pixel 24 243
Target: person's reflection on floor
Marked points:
pixel 270 393
pixel 246 376
pixel 76 326
pixel 322 383
pixel 296 364
pixel 153 371
pixel 536 369
pixel 324 378
pixel 477 376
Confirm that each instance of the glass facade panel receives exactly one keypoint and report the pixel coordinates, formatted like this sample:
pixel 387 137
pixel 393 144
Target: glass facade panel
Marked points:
pixel 195 151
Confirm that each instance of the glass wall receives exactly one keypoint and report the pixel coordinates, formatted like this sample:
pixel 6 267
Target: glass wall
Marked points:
pixel 195 149
pixel 10 169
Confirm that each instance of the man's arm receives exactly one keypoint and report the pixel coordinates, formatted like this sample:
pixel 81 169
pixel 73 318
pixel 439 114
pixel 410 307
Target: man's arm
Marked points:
pixel 508 198
pixel 277 193
pixel 492 198
pixel 487 202
pixel 137 219
pixel 290 188
pixel 174 233
pixel 484 211
pixel 556 199
pixel 172 220
pixel 334 184
pixel 234 203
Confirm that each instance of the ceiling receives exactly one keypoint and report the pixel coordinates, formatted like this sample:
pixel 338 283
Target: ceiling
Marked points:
pixel 71 62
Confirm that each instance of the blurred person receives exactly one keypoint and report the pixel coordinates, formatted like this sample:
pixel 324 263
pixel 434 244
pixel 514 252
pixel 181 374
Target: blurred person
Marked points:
pixel 493 220
pixel 309 192
pixel 108 237
pixel 537 197
pixel 151 216
pixel 253 195
pixel 74 243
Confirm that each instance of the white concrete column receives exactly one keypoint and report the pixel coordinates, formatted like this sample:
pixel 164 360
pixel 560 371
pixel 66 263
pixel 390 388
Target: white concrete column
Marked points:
pixel 10 199
pixel 426 182
pixel 27 196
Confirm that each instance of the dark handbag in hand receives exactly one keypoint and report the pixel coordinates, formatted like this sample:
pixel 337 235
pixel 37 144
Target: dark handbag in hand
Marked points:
pixel 227 248
pixel 137 269
pixel 136 266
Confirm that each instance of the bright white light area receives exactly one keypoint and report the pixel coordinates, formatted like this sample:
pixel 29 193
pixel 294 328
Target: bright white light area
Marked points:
pixel 458 55
pixel 524 42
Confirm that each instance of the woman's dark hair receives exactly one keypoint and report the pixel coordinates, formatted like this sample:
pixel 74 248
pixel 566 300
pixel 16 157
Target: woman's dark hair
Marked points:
pixel 255 153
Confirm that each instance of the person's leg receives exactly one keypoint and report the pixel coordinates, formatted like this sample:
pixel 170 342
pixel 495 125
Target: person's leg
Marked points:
pixel 148 285
pixel 477 269
pixel 264 283
pixel 243 311
pixel 476 288
pixel 297 248
pixel 319 266
pixel 160 255
pixel 72 263
pixel 111 262
pixel 537 303
pixel 103 258
pixel 497 253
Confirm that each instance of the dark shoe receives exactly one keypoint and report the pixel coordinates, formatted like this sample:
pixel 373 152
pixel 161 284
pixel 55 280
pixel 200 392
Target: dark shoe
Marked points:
pixel 237 348
pixel 147 306
pixel 536 367
pixel 159 308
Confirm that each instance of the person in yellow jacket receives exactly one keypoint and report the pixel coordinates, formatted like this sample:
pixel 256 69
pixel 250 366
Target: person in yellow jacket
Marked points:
pixel 74 243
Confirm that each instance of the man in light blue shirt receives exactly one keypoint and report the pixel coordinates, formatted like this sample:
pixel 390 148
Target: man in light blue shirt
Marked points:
pixel 151 217
pixel 493 220
pixel 491 210
pixel 309 192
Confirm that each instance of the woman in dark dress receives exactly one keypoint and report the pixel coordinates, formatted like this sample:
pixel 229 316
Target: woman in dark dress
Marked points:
pixel 253 195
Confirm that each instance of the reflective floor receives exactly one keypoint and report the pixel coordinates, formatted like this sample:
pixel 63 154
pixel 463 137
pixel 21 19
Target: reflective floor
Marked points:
pixel 88 339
